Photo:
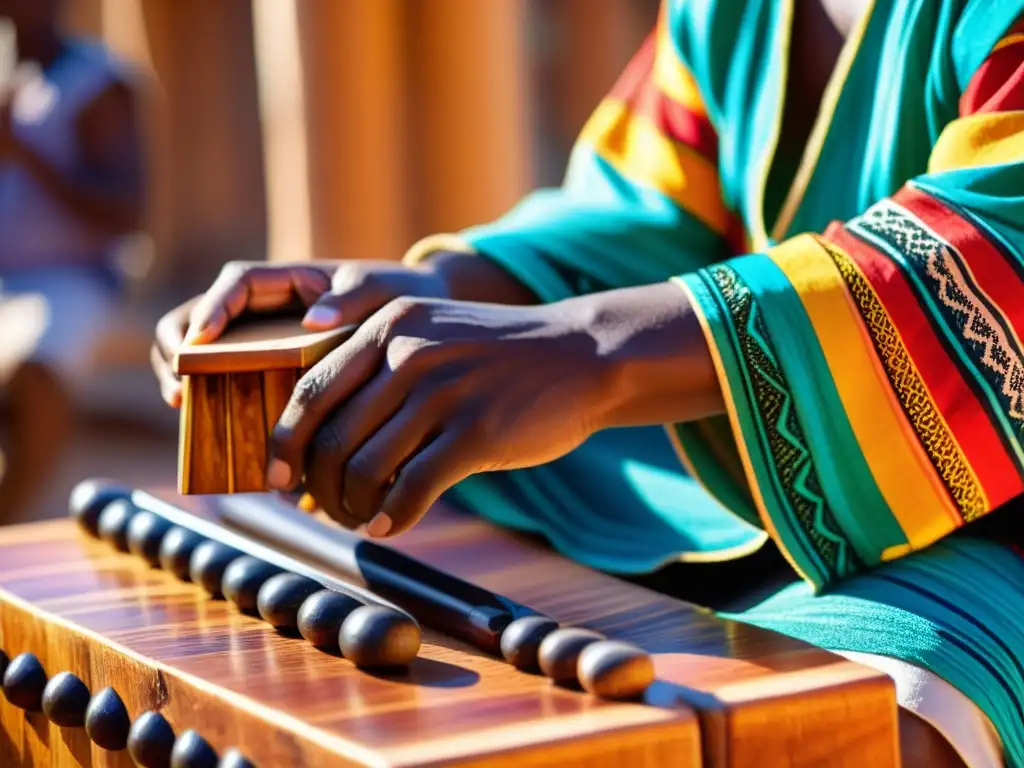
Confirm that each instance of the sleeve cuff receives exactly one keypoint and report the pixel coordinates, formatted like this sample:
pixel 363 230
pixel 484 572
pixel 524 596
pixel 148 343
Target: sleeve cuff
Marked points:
pixel 835 472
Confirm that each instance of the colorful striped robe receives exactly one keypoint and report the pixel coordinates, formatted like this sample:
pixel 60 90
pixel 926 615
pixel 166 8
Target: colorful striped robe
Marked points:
pixel 868 340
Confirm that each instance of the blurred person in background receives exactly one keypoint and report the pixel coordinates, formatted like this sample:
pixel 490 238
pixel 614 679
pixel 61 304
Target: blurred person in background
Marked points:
pixel 71 187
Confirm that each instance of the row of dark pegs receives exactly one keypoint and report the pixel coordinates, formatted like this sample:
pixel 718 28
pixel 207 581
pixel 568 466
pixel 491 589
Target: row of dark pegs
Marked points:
pixel 372 636
pixel 67 702
pixel 367 635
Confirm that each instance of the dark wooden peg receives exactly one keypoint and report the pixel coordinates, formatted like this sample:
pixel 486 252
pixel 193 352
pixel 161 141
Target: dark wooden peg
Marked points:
pixel 107 721
pixel 193 751
pixel 615 670
pixel 150 741
pixel 235 759
pixel 321 616
pixel 24 681
pixel 145 533
pixel 89 498
pixel 113 523
pixel 176 550
pixel 65 699
pixel 243 579
pixel 4 661
pixel 520 641
pixel 376 636
pixel 208 563
pixel 560 651
pixel 281 597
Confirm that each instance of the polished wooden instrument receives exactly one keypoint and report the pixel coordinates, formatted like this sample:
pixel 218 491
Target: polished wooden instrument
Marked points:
pixel 108 649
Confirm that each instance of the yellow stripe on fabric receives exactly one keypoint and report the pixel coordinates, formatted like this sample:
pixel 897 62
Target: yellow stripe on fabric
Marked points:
pixel 737 430
pixel 423 249
pixel 634 147
pixel 671 76
pixel 934 434
pixel 905 477
pixel 987 138
pixel 1016 37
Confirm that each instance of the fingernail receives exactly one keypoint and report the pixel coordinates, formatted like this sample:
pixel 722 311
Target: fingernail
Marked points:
pixel 320 316
pixel 379 526
pixel 193 333
pixel 279 475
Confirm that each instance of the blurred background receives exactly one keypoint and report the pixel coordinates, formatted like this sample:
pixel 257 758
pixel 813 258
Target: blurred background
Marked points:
pixel 297 129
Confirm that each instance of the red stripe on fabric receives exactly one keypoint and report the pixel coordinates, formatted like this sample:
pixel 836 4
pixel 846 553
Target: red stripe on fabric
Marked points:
pixel 637 89
pixel 988 264
pixel 675 121
pixel 968 421
pixel 996 86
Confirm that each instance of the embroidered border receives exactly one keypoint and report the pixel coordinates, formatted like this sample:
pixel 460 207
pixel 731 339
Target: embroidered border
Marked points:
pixel 964 309
pixel 775 414
pixel 939 444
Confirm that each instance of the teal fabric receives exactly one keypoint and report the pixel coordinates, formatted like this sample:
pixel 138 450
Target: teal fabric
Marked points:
pixel 927 609
pixel 618 503
pixel 599 229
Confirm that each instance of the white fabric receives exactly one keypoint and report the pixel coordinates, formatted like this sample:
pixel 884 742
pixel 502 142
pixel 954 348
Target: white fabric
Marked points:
pixel 56 317
pixel 967 729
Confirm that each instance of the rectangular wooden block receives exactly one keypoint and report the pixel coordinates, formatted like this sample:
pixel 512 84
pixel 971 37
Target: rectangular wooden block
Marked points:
pixel 226 420
pixel 234 390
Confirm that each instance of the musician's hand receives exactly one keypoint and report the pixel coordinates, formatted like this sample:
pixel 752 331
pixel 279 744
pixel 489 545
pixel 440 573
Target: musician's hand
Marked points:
pixel 428 392
pixel 333 293
pixel 170 334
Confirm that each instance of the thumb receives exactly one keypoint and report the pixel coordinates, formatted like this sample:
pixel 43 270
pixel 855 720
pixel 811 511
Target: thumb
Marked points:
pixel 345 305
pixel 325 313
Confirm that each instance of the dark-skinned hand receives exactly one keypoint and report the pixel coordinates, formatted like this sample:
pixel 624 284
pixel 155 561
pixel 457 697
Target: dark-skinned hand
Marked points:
pixel 333 294
pixel 429 391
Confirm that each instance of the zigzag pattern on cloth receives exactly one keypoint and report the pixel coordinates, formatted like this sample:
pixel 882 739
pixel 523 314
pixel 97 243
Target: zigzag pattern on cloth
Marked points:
pixel 975 320
pixel 776 421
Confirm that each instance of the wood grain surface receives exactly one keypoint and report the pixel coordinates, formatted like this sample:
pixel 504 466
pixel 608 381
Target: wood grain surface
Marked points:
pixel 224 427
pixel 259 346
pixel 249 431
pixel 277 388
pixel 205 459
pixel 738 695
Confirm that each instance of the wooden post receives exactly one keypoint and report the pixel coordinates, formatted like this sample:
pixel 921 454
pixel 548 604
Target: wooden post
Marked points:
pixel 84 17
pixel 202 55
pixel 471 125
pixel 283 120
pixel 354 70
pixel 597 38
